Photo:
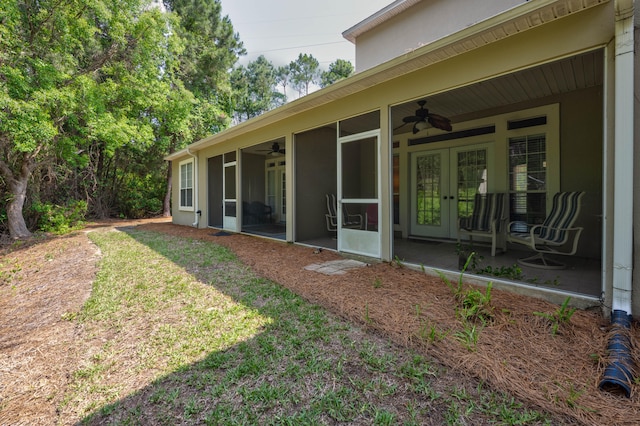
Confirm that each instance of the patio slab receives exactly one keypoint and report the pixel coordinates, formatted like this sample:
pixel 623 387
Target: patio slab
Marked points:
pixel 335 267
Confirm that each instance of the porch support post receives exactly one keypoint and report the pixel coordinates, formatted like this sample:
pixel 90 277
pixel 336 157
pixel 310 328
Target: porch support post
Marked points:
pixel 386 186
pixel 623 156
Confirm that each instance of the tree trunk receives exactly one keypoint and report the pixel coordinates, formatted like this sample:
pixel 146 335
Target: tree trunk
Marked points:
pixel 17 181
pixel 166 203
pixel 15 218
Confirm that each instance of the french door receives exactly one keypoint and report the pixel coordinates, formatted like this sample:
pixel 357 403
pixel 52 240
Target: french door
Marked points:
pixel 443 185
pixel 276 190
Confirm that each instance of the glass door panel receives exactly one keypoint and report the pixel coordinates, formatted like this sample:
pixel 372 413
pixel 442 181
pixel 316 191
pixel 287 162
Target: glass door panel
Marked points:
pixel 229 185
pixel 358 201
pixel 471 166
pixel 430 193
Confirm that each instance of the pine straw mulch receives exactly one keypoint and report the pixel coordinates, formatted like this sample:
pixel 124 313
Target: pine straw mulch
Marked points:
pixel 515 353
pixel 40 282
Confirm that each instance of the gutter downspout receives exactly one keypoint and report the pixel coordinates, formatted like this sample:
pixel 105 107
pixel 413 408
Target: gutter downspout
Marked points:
pixel 196 210
pixel 618 375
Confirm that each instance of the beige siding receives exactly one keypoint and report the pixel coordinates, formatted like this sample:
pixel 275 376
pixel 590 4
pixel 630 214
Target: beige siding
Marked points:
pixel 426 22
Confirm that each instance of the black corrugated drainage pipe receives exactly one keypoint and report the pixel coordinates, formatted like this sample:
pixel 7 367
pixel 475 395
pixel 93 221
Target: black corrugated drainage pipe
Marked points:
pixel 618 375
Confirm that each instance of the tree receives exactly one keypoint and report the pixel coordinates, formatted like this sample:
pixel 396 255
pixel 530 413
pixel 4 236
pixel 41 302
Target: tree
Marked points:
pixel 304 72
pixel 283 74
pixel 255 88
pixel 211 48
pixel 63 69
pixel 338 70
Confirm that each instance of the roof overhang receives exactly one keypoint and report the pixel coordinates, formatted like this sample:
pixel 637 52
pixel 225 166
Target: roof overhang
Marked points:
pixel 514 21
pixel 378 18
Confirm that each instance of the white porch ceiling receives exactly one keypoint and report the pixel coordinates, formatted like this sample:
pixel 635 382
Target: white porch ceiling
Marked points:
pixel 570 74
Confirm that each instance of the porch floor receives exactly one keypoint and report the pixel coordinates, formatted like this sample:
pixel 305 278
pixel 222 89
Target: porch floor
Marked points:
pixel 582 276
pixel 271 230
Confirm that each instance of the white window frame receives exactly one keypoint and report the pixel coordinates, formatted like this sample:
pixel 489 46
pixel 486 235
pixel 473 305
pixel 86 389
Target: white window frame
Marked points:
pixel 180 187
pixel 551 132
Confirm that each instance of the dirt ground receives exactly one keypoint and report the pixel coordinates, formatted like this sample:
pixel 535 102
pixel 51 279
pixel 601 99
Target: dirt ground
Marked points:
pixel 516 352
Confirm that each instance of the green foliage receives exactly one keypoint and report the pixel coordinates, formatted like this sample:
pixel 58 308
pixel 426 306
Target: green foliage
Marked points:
pixel 562 315
pixel 456 289
pixel 471 261
pixel 60 219
pixel 8 271
pixel 94 94
pixel 513 272
pixel 475 306
pixel 139 196
pixel 283 77
pixel 210 46
pixel 3 220
pixel 468 259
pixel 304 72
pixel 468 336
pixel 429 332
pixel 338 70
pixel 254 89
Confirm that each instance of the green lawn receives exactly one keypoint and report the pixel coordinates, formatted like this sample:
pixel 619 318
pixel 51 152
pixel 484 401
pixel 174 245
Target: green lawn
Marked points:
pixel 178 331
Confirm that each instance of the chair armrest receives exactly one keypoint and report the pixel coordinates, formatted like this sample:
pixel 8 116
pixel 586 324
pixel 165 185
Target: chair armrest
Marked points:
pixel 520 223
pixel 464 222
pixel 357 216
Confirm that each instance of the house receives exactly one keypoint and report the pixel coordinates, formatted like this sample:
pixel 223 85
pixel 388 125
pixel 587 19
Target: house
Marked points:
pixel 540 95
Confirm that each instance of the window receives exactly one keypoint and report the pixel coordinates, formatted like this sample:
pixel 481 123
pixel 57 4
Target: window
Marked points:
pixel 186 185
pixel 528 179
pixel 533 143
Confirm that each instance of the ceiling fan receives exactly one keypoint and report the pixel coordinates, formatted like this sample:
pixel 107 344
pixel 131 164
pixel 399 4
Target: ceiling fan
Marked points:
pixel 275 149
pixel 423 116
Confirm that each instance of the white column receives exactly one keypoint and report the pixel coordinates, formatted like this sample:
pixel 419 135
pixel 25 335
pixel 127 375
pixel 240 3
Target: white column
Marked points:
pixel 623 156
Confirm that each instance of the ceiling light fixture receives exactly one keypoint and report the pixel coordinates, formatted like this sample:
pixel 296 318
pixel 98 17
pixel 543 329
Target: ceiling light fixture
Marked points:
pixel 420 125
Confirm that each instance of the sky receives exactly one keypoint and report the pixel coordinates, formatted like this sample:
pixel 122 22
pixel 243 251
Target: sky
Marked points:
pixel 282 29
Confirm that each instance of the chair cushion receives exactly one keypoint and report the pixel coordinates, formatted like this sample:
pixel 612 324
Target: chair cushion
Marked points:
pixel 486 208
pixel 564 212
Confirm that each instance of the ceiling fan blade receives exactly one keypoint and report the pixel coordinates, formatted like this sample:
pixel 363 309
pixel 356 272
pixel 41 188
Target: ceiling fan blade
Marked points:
pixel 440 122
pixel 411 119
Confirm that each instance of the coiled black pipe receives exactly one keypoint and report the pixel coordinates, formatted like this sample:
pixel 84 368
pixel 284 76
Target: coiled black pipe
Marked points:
pixel 618 375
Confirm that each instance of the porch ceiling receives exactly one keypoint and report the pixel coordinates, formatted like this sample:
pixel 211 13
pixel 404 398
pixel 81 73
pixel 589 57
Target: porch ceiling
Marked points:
pixel 574 73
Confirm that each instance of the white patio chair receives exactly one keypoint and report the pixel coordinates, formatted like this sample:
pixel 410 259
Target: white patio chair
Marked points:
pixel 555 236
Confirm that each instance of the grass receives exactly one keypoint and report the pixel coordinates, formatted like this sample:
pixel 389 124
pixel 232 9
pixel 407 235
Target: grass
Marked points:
pixel 178 331
pixel 562 315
